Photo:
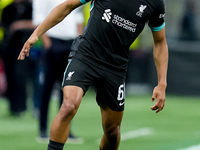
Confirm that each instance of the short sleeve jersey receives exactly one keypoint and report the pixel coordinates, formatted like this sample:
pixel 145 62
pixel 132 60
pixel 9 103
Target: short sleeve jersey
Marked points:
pixel 113 26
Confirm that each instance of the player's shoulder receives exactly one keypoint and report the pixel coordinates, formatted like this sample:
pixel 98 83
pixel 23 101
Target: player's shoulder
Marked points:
pixel 157 4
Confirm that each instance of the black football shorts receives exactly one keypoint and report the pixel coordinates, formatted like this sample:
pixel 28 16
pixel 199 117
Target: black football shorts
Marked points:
pixel 109 84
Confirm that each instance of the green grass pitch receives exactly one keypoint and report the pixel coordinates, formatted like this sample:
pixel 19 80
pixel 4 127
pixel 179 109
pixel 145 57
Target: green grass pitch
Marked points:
pixel 176 127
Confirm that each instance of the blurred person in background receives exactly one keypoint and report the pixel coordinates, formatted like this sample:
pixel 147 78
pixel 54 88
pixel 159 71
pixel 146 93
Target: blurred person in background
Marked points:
pixel 3 83
pixel 17 23
pixel 188 24
pixel 3 4
pixel 57 44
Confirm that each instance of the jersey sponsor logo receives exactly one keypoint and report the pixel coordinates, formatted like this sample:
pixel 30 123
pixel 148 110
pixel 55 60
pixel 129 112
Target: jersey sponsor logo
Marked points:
pixel 70 75
pixel 108 16
pixel 141 10
pixel 126 24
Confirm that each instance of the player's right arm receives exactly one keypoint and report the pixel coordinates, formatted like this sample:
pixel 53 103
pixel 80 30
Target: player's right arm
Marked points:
pixel 160 53
pixel 56 16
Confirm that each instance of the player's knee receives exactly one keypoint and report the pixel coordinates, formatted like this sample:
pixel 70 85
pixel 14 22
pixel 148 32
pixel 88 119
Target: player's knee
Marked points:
pixel 113 133
pixel 68 109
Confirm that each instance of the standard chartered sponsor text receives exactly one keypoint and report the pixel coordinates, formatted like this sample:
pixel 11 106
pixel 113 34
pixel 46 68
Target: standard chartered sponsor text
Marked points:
pixel 126 24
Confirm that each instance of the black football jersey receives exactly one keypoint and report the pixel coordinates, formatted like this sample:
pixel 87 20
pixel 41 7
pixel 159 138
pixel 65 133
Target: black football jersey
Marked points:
pixel 113 26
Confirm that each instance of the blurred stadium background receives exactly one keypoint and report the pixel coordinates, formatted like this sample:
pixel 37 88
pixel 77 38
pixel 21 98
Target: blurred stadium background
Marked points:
pixel 176 128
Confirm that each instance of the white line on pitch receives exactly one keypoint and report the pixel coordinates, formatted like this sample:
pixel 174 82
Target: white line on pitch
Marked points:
pixel 193 147
pixel 135 134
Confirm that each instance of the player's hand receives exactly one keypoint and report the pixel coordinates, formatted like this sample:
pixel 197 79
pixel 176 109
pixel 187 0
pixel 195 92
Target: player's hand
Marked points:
pixel 26 48
pixel 159 96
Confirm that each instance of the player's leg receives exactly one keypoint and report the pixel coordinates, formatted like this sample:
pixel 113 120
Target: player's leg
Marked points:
pixel 111 99
pixel 111 122
pixel 72 96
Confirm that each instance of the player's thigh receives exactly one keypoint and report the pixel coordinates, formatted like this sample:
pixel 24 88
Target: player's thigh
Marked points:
pixel 78 77
pixel 72 95
pixel 111 120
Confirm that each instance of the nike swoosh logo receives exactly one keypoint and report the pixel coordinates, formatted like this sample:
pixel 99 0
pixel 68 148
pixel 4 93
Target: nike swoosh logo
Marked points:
pixel 121 103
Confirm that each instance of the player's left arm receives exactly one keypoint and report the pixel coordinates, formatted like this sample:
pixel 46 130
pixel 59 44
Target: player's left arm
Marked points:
pixel 160 54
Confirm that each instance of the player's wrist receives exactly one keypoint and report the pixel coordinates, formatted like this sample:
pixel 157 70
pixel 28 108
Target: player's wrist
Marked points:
pixel 162 84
